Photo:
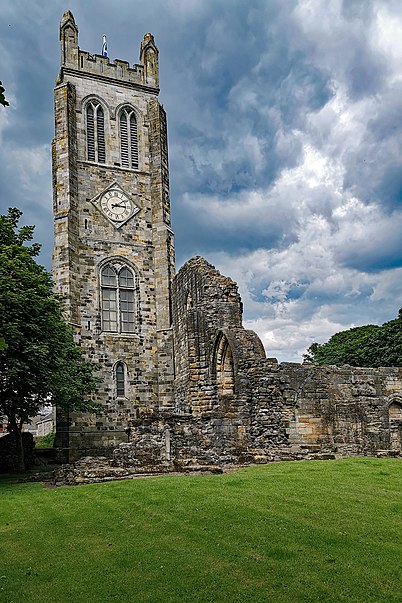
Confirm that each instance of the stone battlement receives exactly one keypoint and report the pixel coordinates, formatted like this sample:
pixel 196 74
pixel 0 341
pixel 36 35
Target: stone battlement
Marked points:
pixel 99 65
pixel 145 73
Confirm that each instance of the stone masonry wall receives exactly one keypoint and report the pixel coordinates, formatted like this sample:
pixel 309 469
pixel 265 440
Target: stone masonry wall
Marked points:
pixel 273 410
pixel 204 302
pixel 267 411
pixel 343 409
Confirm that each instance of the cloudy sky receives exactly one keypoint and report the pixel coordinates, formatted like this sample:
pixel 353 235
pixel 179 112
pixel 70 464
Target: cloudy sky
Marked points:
pixel 285 131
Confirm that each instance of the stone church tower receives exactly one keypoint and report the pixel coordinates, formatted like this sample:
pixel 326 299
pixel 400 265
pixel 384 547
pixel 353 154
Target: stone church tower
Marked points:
pixel 113 259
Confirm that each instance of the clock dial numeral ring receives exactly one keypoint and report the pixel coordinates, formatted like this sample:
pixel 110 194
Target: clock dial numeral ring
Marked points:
pixel 116 206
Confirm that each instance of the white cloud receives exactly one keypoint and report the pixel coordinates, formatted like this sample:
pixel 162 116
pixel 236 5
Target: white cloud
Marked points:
pixel 333 267
pixel 4 123
pixel 386 38
pixel 313 198
pixel 331 298
pixel 282 341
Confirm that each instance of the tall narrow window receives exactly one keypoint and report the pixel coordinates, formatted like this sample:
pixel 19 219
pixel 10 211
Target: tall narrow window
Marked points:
pixel 95 133
pixel 128 138
pixel 118 297
pixel 109 299
pixel 124 139
pixel 120 380
pixel 90 133
pixel 133 141
pixel 100 131
pixel 127 308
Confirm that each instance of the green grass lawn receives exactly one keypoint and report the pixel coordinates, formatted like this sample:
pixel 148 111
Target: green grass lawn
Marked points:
pixel 286 532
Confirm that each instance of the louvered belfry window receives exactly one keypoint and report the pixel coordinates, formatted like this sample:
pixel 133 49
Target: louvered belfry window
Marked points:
pixel 100 131
pixel 128 138
pixel 124 139
pixel 95 133
pixel 90 133
pixel 118 297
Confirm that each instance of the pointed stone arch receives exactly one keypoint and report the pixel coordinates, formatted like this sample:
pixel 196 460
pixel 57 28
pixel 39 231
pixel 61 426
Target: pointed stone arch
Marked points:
pixel 223 366
pixel 394 408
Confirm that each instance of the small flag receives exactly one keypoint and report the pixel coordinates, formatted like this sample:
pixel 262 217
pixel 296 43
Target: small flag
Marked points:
pixel 104 47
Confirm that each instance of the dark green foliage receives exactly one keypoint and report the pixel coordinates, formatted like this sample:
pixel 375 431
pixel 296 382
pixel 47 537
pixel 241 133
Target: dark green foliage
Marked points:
pixel 9 451
pixel 47 441
pixel 2 97
pixel 41 363
pixel 384 348
pixel 370 345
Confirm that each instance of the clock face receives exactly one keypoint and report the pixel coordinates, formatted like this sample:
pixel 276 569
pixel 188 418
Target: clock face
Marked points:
pixel 116 206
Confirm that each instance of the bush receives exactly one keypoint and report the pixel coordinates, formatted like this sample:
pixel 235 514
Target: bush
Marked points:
pixel 46 441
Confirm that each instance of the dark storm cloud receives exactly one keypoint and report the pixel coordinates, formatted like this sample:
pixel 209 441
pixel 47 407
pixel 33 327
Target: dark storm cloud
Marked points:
pixel 285 144
pixel 378 247
pixel 373 170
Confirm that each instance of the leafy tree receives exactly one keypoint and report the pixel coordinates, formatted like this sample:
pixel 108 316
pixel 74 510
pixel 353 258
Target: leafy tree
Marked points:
pixel 40 362
pixel 384 348
pixel 370 345
pixel 2 97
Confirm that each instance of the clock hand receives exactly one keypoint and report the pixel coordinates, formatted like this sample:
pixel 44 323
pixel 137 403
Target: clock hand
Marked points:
pixel 119 204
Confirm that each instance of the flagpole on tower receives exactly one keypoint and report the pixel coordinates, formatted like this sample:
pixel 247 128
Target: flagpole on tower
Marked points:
pixel 104 46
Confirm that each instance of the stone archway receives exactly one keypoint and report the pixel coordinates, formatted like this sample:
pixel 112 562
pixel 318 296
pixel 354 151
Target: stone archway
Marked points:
pixel 224 367
pixel 395 423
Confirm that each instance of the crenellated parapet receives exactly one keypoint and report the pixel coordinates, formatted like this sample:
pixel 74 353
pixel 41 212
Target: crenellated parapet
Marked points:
pixel 145 73
pixel 97 65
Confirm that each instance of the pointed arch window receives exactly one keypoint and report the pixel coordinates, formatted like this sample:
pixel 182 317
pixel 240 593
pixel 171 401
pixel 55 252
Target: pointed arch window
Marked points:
pixel 95 132
pixel 120 380
pixel 118 299
pixel 128 138
pixel 395 410
pixel 224 367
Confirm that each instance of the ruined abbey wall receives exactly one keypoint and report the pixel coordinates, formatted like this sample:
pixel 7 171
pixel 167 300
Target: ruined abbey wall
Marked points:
pixel 234 405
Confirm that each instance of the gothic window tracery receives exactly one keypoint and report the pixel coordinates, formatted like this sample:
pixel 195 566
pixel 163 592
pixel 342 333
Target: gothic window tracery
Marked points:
pixel 118 299
pixel 128 138
pixel 95 132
